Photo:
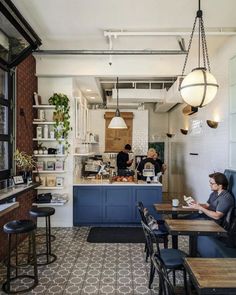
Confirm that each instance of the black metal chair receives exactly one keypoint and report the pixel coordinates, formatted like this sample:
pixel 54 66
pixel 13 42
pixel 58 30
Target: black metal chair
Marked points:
pixel 162 235
pixel 46 212
pixel 165 285
pixel 173 259
pixel 17 227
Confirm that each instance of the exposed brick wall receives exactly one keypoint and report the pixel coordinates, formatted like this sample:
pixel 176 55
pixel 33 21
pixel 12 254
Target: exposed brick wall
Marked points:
pixel 22 212
pixel 26 82
pixel 26 86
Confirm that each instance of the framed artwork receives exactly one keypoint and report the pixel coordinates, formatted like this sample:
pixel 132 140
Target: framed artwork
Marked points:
pixel 51 181
pixel 18 179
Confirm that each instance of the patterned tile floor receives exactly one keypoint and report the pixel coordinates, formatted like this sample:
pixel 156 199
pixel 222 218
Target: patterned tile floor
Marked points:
pixel 86 268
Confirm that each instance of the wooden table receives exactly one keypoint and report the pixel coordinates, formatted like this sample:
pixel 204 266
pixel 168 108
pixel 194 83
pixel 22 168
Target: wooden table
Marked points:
pixel 167 208
pixel 194 228
pixel 212 275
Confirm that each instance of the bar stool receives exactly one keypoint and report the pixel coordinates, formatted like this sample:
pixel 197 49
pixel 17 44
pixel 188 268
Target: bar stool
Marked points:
pixel 45 212
pixel 14 228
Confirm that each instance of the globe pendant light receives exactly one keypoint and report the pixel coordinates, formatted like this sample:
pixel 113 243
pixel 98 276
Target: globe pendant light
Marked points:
pixel 199 87
pixel 117 122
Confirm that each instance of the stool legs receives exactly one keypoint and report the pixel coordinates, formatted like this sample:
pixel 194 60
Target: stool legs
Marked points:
pixel 50 257
pixel 8 264
pixel 6 287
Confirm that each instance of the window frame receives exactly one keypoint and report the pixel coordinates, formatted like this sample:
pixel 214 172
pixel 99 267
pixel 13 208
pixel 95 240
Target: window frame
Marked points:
pixel 8 102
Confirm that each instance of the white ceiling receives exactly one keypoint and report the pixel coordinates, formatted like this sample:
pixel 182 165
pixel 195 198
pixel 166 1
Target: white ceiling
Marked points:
pixel 80 24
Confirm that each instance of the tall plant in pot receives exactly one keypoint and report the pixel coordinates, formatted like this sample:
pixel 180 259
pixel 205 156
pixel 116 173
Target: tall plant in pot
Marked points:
pixel 61 117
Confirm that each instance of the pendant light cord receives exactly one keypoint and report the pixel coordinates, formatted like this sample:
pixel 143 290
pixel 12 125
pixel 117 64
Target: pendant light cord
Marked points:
pixel 201 41
pixel 117 91
pixel 117 114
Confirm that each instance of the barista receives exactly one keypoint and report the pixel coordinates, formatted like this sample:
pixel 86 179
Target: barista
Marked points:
pixel 123 161
pixel 148 163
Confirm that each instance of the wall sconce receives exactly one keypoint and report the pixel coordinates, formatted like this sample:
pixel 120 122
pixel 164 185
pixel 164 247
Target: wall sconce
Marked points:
pixel 169 135
pixel 184 131
pixel 212 124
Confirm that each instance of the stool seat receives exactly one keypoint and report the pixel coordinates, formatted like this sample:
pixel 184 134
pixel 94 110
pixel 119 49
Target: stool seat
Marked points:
pixel 19 226
pixel 42 211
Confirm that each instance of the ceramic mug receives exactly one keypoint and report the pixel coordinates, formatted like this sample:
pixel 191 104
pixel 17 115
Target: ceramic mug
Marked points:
pixel 175 202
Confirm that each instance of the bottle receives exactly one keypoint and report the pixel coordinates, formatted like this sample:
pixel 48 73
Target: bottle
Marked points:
pixel 60 149
pixel 39 132
pixel 45 131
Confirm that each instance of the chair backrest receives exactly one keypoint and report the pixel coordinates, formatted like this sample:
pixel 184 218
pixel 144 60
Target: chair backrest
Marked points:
pixel 141 212
pixel 231 176
pixel 151 240
pixel 228 219
pixel 165 284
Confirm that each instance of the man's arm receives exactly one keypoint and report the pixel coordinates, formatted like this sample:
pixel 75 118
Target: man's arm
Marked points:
pixel 203 207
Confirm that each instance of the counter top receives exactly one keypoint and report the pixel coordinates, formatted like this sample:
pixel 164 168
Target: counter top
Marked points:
pixel 106 182
pixel 5 208
pixel 13 192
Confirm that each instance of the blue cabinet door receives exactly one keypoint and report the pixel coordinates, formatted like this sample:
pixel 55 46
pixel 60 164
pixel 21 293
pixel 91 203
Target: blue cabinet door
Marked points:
pixel 118 205
pixel 149 196
pixel 112 204
pixel 87 205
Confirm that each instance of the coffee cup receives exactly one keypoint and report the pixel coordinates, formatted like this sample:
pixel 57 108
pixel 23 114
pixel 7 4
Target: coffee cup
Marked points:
pixel 155 179
pixel 175 202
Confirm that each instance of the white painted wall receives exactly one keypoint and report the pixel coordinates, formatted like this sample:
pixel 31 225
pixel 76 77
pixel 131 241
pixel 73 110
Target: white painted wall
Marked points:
pixel 189 174
pixel 46 87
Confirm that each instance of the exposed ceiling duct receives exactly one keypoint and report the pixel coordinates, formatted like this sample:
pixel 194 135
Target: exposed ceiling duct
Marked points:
pixel 173 94
pixel 140 95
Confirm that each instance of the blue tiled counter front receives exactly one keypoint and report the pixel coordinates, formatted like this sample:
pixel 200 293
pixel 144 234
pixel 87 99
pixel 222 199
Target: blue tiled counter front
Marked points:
pixel 112 204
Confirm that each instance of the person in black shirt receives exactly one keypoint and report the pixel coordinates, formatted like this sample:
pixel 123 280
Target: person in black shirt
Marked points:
pixel 148 163
pixel 123 159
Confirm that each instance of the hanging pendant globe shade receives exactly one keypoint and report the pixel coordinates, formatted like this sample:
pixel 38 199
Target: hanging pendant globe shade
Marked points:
pixel 199 87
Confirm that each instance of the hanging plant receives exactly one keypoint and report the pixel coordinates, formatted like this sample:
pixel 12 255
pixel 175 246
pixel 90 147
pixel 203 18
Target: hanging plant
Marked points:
pixel 61 117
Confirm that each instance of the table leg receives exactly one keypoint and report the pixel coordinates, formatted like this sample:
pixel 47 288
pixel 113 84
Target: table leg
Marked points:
pixel 174 242
pixel 192 246
pixel 174 237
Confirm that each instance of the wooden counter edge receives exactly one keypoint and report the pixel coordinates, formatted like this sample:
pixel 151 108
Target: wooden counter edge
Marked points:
pixel 14 194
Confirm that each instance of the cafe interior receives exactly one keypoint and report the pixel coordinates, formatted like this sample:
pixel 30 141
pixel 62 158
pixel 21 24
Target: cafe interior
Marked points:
pixel 117 147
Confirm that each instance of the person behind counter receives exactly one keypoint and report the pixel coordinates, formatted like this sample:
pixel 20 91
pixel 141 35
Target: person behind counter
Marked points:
pixel 148 163
pixel 122 160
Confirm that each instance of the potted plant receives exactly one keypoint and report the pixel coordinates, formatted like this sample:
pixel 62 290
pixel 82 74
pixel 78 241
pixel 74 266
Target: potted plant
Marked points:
pixel 25 163
pixel 61 117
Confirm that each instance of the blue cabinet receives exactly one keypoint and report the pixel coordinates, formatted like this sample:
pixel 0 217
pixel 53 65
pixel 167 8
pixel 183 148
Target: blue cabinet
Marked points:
pixel 117 205
pixel 149 196
pixel 112 204
pixel 87 205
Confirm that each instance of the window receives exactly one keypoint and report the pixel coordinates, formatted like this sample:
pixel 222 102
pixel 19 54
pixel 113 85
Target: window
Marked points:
pixel 6 123
pixel 17 38
pixel 232 113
